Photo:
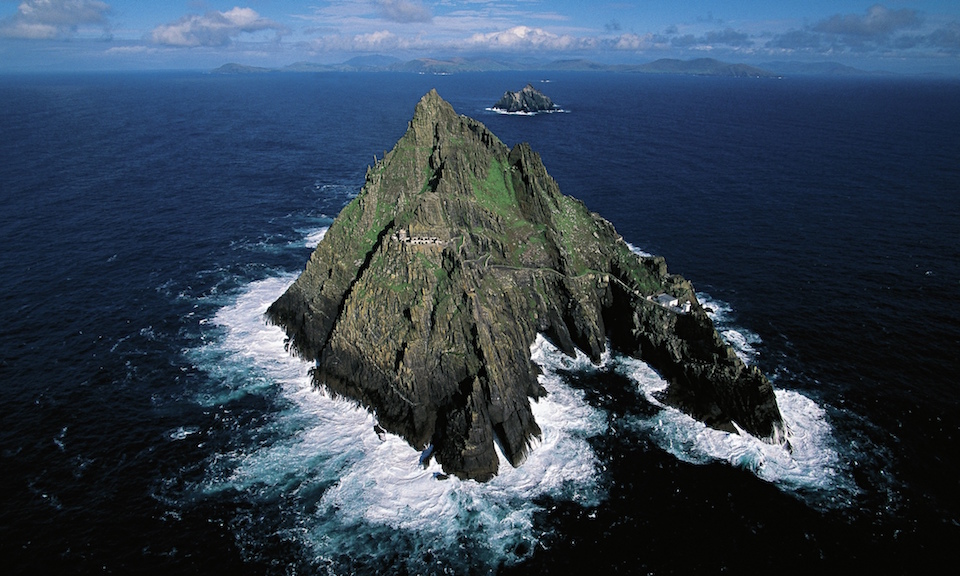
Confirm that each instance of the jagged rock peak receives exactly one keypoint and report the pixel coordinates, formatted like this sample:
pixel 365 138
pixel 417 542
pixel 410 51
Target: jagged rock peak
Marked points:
pixel 431 108
pixel 433 102
pixel 424 297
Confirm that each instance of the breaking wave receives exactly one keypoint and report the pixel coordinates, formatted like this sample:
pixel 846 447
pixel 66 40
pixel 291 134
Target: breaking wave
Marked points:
pixel 314 237
pixel 351 497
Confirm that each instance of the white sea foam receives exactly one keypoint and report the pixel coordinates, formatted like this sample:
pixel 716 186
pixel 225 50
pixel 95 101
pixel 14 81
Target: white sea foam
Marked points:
pixel 315 236
pixel 743 341
pixel 810 464
pixel 522 113
pixel 506 113
pixel 330 445
pixel 638 251
pixel 182 432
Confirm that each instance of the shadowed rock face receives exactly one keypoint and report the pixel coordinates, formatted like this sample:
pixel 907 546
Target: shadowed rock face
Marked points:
pixel 422 301
pixel 528 100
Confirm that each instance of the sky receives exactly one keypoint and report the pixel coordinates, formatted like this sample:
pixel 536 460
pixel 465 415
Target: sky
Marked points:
pixel 901 36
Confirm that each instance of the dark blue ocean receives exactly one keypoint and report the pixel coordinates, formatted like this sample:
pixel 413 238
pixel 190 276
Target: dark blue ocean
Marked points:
pixel 150 422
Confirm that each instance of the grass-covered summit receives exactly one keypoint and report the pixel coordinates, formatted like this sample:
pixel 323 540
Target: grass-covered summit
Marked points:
pixel 422 301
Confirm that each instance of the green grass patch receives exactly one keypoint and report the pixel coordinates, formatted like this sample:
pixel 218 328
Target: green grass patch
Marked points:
pixel 641 278
pixel 495 192
pixel 381 215
pixel 574 223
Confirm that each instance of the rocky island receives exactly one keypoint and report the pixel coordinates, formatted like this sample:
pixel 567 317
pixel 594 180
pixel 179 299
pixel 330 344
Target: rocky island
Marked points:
pixel 526 101
pixel 424 297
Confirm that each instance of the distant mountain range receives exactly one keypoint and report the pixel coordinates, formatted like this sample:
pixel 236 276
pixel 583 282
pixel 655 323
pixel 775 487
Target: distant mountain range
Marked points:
pixel 698 67
pixel 815 69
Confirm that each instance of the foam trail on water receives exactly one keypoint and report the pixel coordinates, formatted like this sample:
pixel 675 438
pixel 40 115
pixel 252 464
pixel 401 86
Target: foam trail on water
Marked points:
pixel 349 486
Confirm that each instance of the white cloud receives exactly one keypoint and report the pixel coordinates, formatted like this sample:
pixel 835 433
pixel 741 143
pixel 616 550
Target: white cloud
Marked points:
pixel 515 38
pixel 213 28
pixel 383 39
pixel 524 37
pixel 48 19
pixel 378 41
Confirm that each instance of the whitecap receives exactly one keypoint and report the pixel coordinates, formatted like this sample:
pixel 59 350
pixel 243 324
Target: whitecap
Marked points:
pixel 59 439
pixel 717 310
pixel 182 432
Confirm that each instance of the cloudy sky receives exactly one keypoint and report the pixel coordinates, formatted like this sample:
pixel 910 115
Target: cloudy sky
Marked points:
pixel 900 35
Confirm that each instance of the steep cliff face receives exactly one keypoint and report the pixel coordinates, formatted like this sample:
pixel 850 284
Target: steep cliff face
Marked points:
pixel 529 100
pixel 424 297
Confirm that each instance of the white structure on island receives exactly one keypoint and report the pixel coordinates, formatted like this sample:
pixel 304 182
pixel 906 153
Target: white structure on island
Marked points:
pixel 404 237
pixel 671 302
pixel 668 300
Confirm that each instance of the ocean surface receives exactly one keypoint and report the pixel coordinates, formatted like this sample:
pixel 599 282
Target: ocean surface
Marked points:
pixel 151 422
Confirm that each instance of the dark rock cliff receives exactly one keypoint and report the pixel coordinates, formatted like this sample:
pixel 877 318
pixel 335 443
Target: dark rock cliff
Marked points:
pixel 529 100
pixel 422 301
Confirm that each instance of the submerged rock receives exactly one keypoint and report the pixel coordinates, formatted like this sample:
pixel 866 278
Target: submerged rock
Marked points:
pixel 529 101
pixel 424 297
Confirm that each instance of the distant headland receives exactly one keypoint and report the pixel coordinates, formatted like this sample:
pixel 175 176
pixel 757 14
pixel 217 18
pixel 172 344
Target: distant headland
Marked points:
pixel 697 67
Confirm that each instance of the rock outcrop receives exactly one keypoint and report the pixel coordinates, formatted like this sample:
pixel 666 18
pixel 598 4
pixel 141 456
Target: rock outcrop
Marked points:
pixel 422 301
pixel 529 101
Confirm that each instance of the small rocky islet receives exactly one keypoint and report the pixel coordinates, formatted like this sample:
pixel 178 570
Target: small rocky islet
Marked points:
pixel 529 100
pixel 423 299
